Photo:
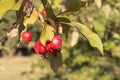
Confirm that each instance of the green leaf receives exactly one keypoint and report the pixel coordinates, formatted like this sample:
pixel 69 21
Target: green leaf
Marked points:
pixel 116 51
pixel 56 3
pixel 73 5
pixel 47 34
pixel 33 17
pixel 92 37
pixel 38 4
pixel 63 19
pixel 108 45
pixel 55 61
pixel 99 27
pixel 6 5
pixel 116 35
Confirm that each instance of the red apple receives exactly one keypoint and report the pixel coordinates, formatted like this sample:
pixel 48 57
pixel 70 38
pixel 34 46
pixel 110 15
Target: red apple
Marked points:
pixel 52 51
pixel 43 12
pixel 26 36
pixel 49 48
pixel 56 42
pixel 39 48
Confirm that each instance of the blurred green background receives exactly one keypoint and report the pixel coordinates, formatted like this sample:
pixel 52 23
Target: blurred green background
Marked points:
pixel 80 60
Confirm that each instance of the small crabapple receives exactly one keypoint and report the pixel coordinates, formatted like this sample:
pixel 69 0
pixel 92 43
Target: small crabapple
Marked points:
pixel 43 12
pixel 26 36
pixel 39 48
pixel 56 42
pixel 49 48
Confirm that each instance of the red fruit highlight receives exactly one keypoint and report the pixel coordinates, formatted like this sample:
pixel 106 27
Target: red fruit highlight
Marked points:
pixel 43 12
pixel 39 48
pixel 56 42
pixel 26 36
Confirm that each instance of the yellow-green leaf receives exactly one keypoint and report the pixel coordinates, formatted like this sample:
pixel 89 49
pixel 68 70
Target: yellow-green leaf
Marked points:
pixel 32 18
pixel 47 34
pixel 6 5
pixel 116 51
pixel 92 37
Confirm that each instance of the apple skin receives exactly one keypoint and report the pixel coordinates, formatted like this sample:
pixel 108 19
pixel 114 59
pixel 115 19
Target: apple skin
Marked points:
pixel 56 42
pixel 53 51
pixel 39 48
pixel 48 46
pixel 26 36
pixel 50 49
pixel 43 12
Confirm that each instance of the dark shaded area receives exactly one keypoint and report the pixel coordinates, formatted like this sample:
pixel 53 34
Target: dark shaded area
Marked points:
pixel 23 51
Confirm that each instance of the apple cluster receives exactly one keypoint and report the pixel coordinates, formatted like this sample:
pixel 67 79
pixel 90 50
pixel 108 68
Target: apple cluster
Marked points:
pixel 51 46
